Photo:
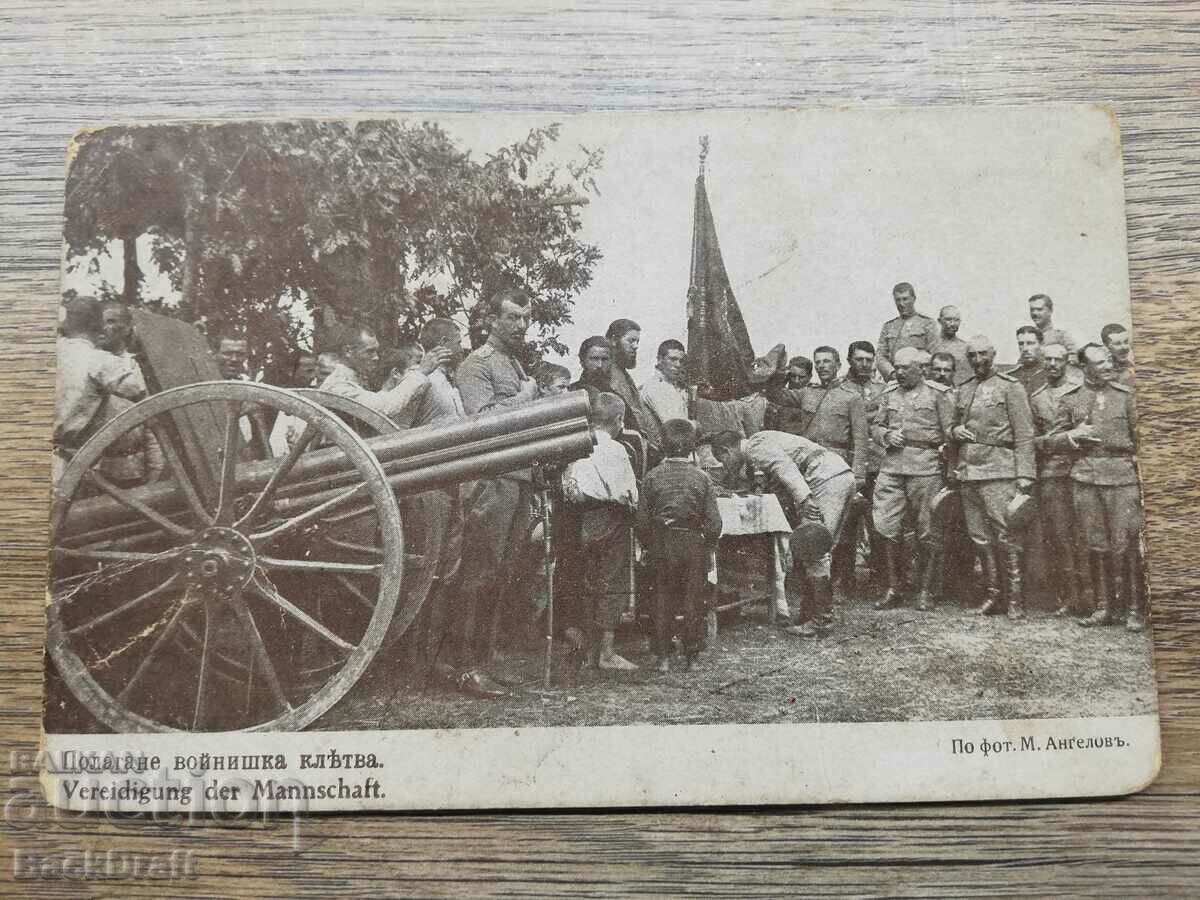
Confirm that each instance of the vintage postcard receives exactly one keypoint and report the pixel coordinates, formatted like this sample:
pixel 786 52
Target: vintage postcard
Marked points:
pixel 527 460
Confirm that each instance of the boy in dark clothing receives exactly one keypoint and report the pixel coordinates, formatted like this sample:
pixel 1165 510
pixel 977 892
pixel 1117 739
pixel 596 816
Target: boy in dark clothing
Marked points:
pixel 679 520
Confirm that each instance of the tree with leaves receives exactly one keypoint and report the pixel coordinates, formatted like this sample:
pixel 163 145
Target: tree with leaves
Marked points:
pixel 380 223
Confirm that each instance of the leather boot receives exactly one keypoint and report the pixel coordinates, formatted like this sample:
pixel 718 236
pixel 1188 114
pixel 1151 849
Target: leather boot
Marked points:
pixel 927 561
pixel 894 597
pixel 1100 593
pixel 1016 599
pixel 823 592
pixel 991 581
pixel 1067 581
pixel 1135 619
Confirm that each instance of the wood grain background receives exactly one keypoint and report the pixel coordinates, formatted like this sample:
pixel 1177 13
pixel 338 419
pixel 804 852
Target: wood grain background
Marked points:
pixel 75 64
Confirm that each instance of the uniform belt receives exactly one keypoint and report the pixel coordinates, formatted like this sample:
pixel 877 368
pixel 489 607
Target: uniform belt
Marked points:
pixel 1004 445
pixel 834 445
pixel 919 445
pixel 1109 454
pixel 684 530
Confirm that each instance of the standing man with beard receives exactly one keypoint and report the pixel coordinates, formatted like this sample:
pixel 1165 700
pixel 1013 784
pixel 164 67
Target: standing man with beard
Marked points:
pixel 1029 370
pixel 995 461
pixel 909 329
pixel 624 335
pixel 1056 505
pixel 595 362
pixel 497 509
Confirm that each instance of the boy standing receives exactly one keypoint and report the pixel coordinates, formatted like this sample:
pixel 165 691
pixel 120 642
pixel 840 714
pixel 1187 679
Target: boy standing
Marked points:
pixel 678 517
pixel 603 490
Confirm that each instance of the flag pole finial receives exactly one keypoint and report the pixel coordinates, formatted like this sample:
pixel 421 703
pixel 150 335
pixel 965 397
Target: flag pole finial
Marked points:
pixel 703 151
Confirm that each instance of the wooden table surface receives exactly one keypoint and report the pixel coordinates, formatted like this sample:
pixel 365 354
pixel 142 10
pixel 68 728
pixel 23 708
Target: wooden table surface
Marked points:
pixel 68 65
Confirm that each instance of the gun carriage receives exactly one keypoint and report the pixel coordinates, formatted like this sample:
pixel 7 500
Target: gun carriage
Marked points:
pixel 241 590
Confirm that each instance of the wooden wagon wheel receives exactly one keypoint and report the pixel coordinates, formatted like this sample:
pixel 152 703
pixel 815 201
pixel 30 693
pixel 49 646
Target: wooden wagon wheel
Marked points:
pixel 208 561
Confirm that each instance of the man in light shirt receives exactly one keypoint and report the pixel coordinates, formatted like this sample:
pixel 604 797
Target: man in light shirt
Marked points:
pixel 358 359
pixel 664 396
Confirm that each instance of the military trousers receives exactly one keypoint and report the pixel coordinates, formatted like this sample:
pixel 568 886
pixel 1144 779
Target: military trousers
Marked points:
pixel 833 498
pixel 496 514
pixel 904 496
pixel 1108 516
pixel 984 505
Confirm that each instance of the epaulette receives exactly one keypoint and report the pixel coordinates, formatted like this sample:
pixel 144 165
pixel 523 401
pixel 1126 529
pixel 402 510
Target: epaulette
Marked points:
pixel 890 386
pixel 485 351
pixel 1006 377
pixel 937 385
pixel 1072 389
pixel 1121 387
pixel 1038 390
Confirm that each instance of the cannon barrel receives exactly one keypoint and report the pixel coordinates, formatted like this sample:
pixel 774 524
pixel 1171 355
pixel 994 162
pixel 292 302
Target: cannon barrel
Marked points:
pixel 551 430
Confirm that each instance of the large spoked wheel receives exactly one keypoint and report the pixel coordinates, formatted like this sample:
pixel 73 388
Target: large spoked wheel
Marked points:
pixel 425 525
pixel 229 594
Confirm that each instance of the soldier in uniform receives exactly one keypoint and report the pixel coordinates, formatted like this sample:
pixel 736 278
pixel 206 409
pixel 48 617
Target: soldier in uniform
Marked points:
pixel 912 423
pixel 948 341
pixel 909 329
pixel 496 510
pixel 860 356
pixel 833 414
pixel 957 564
pixel 1097 423
pixel 1041 313
pixel 1116 341
pixel 1056 504
pixel 1029 369
pixel 814 482
pixel 994 435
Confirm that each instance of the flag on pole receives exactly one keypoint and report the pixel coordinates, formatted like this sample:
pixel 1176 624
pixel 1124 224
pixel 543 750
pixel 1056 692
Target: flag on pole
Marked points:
pixel 719 352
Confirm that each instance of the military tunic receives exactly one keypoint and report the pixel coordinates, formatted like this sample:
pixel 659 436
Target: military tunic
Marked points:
pixel 835 417
pixel 1107 498
pixel 496 510
pixel 996 410
pixel 1055 335
pixel 917 331
pixel 799 469
pixel 1030 377
pixel 911 475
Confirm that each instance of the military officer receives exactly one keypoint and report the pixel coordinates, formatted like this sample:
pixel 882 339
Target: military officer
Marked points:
pixel 1054 489
pixel 1041 313
pixel 909 329
pixel 1116 341
pixel 948 341
pixel 994 435
pixel 860 356
pixel 1029 369
pixel 957 564
pixel 833 414
pixel 814 482
pixel 497 510
pixel 1096 422
pixel 913 422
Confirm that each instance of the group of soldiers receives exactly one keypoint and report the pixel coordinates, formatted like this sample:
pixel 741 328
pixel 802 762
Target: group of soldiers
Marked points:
pixel 922 432
pixel 1038 459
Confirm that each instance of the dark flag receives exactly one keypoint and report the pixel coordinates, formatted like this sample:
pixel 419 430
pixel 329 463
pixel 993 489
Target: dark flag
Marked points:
pixel 719 352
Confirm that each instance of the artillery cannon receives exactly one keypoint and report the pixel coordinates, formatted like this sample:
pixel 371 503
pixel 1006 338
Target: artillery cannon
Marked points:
pixel 243 593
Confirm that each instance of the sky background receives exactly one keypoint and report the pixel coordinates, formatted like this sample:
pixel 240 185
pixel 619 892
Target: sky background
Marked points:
pixel 819 213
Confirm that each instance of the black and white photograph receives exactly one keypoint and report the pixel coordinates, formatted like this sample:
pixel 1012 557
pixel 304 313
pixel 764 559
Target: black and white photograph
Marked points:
pixel 629 437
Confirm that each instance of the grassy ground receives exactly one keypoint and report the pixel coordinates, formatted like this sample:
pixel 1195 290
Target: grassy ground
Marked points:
pixel 899 665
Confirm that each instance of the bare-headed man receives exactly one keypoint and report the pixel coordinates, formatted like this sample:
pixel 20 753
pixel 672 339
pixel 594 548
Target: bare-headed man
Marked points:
pixel 909 329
